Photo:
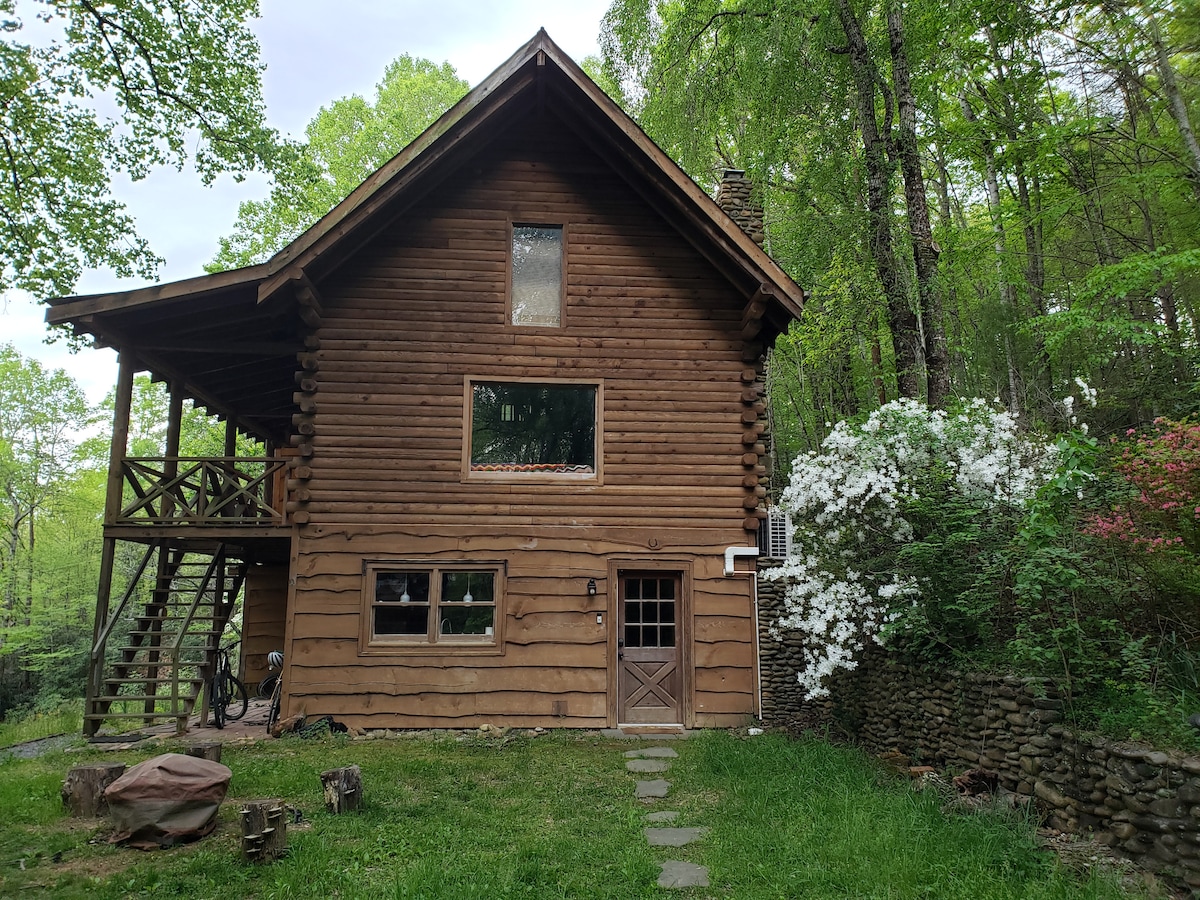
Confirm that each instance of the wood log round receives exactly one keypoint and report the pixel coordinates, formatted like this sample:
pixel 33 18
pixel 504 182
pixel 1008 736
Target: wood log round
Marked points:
pixel 264 830
pixel 83 789
pixel 210 750
pixel 343 789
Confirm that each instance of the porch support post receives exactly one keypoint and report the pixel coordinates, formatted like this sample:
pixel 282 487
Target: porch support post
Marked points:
pixel 163 576
pixel 112 509
pixel 171 463
pixel 120 438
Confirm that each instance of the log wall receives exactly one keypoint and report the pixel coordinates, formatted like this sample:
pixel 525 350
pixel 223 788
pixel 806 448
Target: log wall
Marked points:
pixel 263 620
pixel 416 312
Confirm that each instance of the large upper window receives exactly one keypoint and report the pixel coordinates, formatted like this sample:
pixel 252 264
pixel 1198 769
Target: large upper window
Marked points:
pixel 427 604
pixel 533 427
pixel 537 275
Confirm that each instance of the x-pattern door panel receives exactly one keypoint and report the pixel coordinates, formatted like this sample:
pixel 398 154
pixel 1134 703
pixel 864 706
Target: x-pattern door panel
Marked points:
pixel 649 680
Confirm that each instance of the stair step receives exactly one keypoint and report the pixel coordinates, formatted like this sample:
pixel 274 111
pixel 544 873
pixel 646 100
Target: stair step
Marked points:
pixel 137 698
pixel 101 717
pixel 189 679
pixel 208 632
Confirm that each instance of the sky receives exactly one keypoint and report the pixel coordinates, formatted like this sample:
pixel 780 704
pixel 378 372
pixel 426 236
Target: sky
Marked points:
pixel 315 53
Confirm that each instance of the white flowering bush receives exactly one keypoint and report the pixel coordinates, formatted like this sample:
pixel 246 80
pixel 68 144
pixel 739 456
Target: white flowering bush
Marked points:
pixel 892 520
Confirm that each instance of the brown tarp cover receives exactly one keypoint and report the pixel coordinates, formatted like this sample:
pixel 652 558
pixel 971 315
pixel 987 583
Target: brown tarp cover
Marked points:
pixel 166 799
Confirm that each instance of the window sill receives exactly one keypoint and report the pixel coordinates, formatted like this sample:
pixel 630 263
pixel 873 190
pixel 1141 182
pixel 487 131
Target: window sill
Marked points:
pixel 448 649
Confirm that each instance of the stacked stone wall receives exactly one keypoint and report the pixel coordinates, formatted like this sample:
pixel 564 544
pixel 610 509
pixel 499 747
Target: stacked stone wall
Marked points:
pixel 1142 802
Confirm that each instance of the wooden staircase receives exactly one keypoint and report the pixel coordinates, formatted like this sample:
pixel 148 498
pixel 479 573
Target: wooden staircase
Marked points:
pixel 156 648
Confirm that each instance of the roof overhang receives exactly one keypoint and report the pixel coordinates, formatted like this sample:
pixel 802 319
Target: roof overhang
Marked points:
pixel 229 340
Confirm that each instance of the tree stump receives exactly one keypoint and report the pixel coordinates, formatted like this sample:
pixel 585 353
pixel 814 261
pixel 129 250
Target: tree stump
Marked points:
pixel 264 830
pixel 343 789
pixel 210 750
pixel 83 789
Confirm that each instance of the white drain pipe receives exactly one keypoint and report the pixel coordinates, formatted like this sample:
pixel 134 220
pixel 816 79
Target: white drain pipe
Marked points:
pixel 732 553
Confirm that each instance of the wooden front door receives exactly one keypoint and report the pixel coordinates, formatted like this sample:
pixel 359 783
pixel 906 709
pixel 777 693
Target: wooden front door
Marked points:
pixel 649 668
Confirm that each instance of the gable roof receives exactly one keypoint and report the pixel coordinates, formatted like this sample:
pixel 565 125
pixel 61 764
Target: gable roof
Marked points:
pixel 229 340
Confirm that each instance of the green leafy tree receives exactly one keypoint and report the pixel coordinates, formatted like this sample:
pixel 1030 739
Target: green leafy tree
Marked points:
pixel 40 414
pixel 120 86
pixel 346 142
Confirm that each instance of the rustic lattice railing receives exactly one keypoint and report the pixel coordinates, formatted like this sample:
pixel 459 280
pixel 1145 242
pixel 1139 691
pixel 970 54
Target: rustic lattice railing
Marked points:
pixel 231 490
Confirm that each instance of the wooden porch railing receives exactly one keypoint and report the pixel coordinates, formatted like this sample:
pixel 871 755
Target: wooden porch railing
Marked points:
pixel 221 491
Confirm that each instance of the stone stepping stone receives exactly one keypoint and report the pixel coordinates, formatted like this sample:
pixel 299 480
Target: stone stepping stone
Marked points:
pixel 652 753
pixel 674 837
pixel 682 875
pixel 656 788
pixel 666 815
pixel 647 765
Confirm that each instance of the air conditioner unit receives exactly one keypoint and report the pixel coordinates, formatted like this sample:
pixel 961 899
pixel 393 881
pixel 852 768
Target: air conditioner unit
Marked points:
pixel 775 536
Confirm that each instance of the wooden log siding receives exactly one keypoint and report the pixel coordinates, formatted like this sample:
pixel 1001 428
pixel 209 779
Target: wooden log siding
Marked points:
pixel 403 324
pixel 263 620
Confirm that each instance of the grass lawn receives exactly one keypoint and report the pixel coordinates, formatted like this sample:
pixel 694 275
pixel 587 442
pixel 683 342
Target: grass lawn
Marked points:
pixel 551 816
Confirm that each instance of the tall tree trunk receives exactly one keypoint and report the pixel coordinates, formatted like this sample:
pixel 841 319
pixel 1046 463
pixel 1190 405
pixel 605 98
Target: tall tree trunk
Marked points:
pixel 1014 124
pixel 1008 294
pixel 925 250
pixel 905 328
pixel 1175 101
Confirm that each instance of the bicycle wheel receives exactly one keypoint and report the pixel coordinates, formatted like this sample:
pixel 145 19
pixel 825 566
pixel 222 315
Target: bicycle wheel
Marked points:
pixel 217 699
pixel 276 698
pixel 237 700
pixel 267 686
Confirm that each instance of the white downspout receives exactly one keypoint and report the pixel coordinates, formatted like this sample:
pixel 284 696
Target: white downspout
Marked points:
pixel 731 553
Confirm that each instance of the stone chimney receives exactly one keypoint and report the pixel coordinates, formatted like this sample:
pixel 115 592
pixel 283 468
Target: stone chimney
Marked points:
pixel 733 196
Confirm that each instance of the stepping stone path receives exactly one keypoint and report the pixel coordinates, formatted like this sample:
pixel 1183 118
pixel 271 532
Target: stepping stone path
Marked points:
pixel 656 788
pixel 674 837
pixel 647 765
pixel 675 874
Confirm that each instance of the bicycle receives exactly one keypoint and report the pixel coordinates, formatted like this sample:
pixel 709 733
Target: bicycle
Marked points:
pixel 226 694
pixel 274 662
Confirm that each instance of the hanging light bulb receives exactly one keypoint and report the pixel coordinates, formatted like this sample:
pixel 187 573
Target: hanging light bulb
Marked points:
pixel 467 598
pixel 404 598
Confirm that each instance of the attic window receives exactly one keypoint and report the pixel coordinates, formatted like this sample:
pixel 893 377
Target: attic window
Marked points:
pixel 537 275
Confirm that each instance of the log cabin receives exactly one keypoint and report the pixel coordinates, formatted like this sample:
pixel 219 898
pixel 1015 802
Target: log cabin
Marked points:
pixel 510 399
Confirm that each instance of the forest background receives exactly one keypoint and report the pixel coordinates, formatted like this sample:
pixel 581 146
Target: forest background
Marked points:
pixel 982 198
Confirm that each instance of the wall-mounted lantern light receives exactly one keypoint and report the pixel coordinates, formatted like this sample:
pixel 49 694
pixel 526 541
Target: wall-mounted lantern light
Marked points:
pixel 591 587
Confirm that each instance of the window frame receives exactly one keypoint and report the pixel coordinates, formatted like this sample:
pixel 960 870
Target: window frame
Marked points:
pixel 392 645
pixel 595 477
pixel 514 224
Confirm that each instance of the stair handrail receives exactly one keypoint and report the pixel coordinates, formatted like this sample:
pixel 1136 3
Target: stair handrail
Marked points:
pixel 114 616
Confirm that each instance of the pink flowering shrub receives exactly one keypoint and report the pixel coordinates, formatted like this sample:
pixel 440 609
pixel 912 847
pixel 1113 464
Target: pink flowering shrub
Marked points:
pixel 1162 513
